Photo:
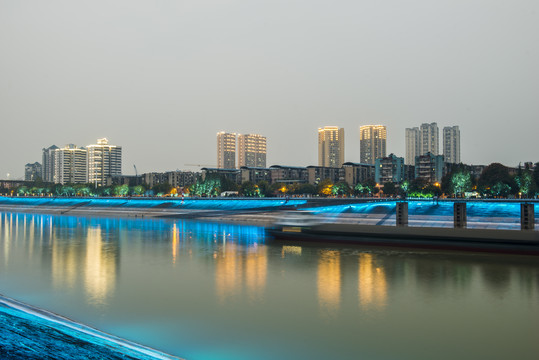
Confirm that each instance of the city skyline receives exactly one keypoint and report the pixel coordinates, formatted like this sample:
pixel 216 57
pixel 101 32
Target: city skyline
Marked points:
pixel 185 71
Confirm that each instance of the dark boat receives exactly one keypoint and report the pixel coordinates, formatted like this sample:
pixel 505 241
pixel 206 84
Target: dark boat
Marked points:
pixel 484 240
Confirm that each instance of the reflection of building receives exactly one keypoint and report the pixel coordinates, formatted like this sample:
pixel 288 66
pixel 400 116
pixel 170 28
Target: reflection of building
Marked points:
pixel 100 267
pixel 412 138
pixel 226 150
pixel 32 172
pixel 235 270
pixel 93 265
pixel 104 161
pixel 452 144
pixel 372 142
pixel 330 146
pixel 372 284
pixel 252 150
pixel 70 165
pixel 389 169
pixel 329 280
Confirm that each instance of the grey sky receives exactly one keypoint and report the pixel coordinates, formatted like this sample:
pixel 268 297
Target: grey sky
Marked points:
pixel 161 78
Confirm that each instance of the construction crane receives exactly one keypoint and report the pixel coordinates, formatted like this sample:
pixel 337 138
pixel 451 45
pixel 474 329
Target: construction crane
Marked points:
pixel 201 165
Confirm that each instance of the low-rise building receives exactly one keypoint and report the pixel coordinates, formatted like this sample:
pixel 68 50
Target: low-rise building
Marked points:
pixel 389 169
pixel 233 175
pixel 33 172
pixel 255 174
pixel 320 173
pixel 429 167
pixel 355 173
pixel 289 174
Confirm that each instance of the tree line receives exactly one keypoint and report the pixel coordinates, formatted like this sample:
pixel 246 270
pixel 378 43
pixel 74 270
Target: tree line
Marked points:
pixel 496 181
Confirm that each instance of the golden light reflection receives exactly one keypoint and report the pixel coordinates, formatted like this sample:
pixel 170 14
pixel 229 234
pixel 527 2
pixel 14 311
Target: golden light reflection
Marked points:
pixel 372 284
pixel 100 267
pixel 294 250
pixel 329 280
pixel 227 272
pixel 237 273
pixel 256 272
pixel 175 243
pixel 64 264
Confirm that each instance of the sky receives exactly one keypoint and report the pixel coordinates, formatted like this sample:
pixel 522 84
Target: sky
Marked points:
pixel 162 77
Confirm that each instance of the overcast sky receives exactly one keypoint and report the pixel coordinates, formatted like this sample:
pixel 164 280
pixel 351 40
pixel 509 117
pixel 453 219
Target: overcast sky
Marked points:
pixel 161 78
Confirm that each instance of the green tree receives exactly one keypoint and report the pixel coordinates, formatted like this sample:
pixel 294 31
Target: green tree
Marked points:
pixel 496 181
pixel 306 189
pixel 460 183
pixel 249 189
pixel 264 188
pixel 341 188
pixel 390 189
pixel 325 187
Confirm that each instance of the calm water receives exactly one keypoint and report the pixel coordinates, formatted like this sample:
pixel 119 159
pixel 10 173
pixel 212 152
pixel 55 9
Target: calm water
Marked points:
pixel 214 291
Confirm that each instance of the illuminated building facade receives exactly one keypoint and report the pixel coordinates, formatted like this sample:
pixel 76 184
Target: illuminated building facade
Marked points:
pixel 372 142
pixel 330 146
pixel 226 150
pixel 104 161
pixel 252 150
pixel 70 165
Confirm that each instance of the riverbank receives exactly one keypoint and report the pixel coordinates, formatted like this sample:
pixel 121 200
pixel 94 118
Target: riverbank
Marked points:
pixel 27 332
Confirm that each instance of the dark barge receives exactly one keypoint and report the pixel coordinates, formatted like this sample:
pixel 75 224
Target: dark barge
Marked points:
pixel 525 242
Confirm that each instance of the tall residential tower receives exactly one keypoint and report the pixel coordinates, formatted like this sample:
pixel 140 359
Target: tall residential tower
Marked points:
pixel 372 142
pixel 226 150
pixel 104 160
pixel 330 146
pixel 429 139
pixel 452 144
pixel 412 145
pixel 251 150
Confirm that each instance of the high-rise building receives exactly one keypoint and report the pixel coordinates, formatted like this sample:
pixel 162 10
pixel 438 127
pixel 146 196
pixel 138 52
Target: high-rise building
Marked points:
pixel 330 146
pixel 104 161
pixel 48 163
pixel 33 172
pixel 252 150
pixel 429 139
pixel 412 145
pixel 226 150
pixel 372 142
pixel 452 144
pixel 70 165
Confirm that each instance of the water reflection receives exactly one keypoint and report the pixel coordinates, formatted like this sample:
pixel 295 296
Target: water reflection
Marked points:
pixel 175 282
pixel 100 266
pixel 329 281
pixel 236 270
pixel 372 284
